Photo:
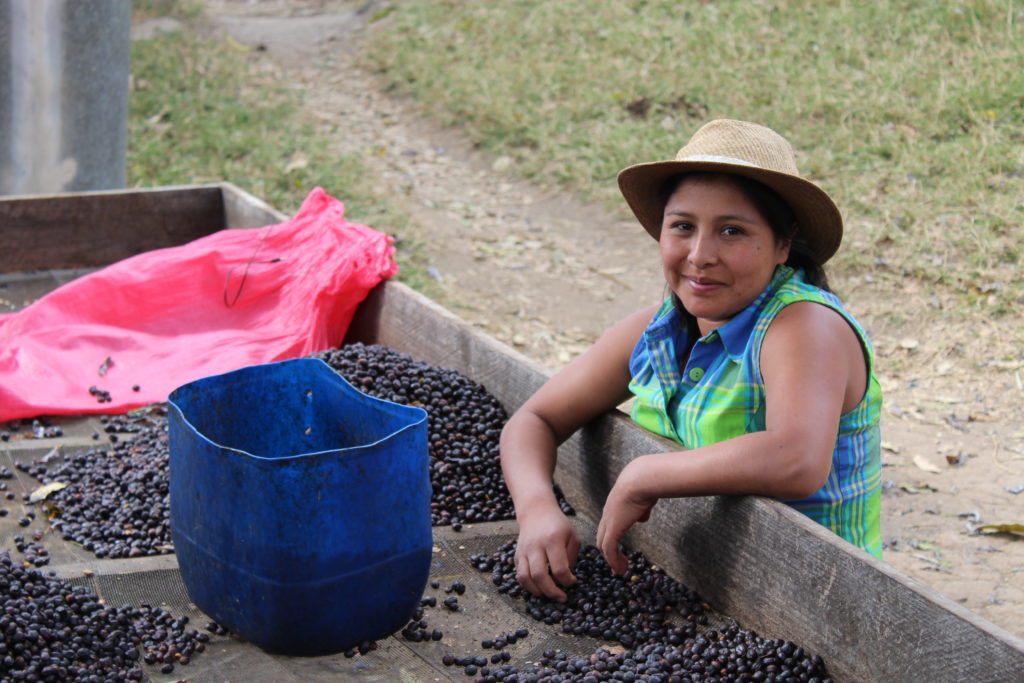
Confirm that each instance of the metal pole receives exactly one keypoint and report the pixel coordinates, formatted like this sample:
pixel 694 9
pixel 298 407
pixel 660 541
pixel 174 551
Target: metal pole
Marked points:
pixel 64 68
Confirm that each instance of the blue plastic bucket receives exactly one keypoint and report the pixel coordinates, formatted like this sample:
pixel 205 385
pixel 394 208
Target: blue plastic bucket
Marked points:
pixel 300 507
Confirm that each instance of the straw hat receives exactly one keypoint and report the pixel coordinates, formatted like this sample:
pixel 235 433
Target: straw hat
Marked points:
pixel 747 149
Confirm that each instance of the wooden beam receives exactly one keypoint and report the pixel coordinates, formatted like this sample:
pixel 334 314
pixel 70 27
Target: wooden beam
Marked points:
pixel 93 229
pixel 243 210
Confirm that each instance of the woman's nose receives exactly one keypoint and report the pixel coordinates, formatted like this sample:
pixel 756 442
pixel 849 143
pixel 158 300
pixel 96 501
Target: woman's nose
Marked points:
pixel 702 249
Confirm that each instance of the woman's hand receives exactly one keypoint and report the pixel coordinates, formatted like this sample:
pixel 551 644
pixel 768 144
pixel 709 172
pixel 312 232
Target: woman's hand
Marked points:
pixel 626 505
pixel 546 553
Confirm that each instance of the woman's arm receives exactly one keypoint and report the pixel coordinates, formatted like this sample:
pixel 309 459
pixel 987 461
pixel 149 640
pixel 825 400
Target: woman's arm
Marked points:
pixel 814 370
pixel 590 385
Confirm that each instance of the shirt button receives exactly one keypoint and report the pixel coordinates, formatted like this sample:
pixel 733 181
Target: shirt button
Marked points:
pixel 696 374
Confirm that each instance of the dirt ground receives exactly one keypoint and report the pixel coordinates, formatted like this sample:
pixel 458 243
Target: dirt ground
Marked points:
pixel 545 273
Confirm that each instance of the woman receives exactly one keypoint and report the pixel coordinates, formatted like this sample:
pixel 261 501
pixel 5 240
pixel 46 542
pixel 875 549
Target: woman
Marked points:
pixel 751 363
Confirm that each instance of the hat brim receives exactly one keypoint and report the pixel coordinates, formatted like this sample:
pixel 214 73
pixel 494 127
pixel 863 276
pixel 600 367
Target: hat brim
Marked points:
pixel 819 223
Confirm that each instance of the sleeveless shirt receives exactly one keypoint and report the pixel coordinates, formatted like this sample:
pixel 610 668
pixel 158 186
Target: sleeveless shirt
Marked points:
pixel 719 394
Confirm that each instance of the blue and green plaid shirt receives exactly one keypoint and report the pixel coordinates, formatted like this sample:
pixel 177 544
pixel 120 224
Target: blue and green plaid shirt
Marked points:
pixel 719 394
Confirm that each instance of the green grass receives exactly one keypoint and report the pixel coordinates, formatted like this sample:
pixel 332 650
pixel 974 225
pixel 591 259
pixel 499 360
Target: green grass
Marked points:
pixel 910 113
pixel 151 9
pixel 199 112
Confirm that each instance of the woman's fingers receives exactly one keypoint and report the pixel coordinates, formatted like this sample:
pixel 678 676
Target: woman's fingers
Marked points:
pixel 561 566
pixel 544 563
pixel 608 538
pixel 620 513
pixel 523 575
pixel 533 574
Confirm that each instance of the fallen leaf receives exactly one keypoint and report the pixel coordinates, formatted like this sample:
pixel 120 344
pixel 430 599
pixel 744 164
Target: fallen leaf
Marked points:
pixel 923 464
pixel 886 446
pixel 487 249
pixel 380 14
pixel 156 118
pixel 989 287
pixel 297 162
pixel 1015 529
pixel 936 565
pixel 53 453
pixel 235 45
pixel 43 491
pixel 917 488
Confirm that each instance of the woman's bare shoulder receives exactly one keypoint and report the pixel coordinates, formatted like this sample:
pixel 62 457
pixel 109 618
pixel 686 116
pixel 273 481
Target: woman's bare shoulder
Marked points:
pixel 813 322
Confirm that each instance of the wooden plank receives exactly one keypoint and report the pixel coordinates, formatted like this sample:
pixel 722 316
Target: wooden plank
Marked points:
pixel 752 558
pixel 243 210
pixel 92 229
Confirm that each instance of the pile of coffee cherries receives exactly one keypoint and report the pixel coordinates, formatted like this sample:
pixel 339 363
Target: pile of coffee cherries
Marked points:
pixel 116 503
pixel 658 630
pixel 53 631
pixel 731 654
pixel 657 619
pixel 629 609
pixel 464 426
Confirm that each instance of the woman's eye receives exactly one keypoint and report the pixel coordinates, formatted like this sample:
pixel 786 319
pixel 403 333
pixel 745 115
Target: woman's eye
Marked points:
pixel 681 225
pixel 732 230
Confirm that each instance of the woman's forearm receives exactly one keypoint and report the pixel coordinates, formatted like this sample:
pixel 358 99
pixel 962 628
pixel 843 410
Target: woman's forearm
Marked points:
pixel 764 463
pixel 528 458
pixel 760 463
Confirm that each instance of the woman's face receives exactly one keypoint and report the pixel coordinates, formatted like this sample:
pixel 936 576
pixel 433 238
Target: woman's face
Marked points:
pixel 718 252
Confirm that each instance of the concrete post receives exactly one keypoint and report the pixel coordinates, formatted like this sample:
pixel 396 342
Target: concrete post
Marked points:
pixel 64 68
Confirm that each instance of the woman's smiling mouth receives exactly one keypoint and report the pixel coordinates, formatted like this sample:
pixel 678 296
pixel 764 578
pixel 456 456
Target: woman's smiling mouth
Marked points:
pixel 703 284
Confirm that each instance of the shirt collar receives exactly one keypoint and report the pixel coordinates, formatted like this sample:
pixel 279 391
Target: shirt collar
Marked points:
pixel 666 323
pixel 736 332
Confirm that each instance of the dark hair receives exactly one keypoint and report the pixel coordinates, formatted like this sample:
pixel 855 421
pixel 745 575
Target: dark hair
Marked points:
pixel 779 216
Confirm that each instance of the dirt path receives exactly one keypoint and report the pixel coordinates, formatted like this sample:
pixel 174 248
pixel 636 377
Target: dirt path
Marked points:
pixel 546 274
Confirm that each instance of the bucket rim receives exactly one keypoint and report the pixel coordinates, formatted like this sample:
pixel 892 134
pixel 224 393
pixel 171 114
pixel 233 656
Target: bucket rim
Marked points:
pixel 420 414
